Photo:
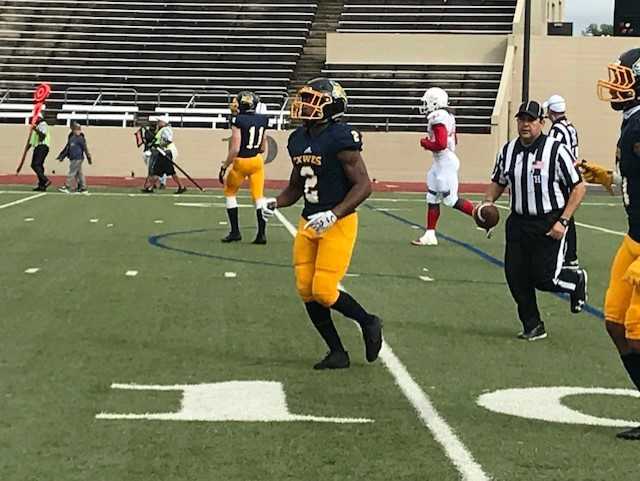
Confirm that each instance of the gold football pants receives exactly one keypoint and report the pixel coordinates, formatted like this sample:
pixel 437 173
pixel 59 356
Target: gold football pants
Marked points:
pixel 622 302
pixel 322 260
pixel 251 167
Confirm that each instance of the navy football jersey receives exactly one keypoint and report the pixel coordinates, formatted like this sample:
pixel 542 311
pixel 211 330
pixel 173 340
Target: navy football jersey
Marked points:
pixel 253 128
pixel 326 184
pixel 628 161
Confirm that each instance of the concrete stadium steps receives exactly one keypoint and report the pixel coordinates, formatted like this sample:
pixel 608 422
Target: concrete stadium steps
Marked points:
pixel 428 16
pixel 152 46
pixel 387 97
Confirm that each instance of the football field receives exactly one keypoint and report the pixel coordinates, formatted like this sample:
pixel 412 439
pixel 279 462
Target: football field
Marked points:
pixel 136 346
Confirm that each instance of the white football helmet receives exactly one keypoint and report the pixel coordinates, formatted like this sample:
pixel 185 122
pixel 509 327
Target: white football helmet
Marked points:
pixel 434 99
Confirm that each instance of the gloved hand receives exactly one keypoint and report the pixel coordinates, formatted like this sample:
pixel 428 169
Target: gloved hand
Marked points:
pixel 269 208
pixel 596 174
pixel 321 221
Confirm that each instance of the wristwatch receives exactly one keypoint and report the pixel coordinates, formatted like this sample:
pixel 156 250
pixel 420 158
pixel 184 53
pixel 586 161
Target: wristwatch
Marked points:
pixel 563 221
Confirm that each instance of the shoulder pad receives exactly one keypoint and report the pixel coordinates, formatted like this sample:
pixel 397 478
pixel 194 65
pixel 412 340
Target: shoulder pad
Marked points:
pixel 346 137
pixel 438 117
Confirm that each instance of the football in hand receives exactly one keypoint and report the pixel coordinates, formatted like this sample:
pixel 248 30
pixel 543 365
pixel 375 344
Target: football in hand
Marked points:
pixel 486 215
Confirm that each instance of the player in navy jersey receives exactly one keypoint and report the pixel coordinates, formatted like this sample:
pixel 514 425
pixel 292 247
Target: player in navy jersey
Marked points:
pixel 247 144
pixel 329 172
pixel 622 302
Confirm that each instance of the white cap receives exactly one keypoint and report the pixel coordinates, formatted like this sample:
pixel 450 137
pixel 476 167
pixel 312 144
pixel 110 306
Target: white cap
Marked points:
pixel 556 104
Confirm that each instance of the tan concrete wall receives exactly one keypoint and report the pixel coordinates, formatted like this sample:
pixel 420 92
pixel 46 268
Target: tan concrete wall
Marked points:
pixel 571 66
pixel 395 49
pixel 389 156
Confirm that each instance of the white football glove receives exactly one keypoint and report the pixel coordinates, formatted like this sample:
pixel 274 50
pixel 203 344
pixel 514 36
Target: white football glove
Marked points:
pixel 269 208
pixel 321 221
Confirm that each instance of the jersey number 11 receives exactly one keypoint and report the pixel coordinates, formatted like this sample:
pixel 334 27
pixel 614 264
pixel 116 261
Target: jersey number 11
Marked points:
pixel 252 137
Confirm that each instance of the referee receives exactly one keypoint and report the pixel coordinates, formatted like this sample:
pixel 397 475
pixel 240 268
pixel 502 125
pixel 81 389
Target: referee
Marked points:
pixel 546 189
pixel 565 132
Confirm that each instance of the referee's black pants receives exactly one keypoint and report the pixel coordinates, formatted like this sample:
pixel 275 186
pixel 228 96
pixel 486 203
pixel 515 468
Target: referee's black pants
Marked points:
pixel 533 261
pixel 571 256
pixel 37 163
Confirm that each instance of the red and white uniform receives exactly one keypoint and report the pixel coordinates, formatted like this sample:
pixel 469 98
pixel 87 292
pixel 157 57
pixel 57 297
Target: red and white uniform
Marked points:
pixel 442 178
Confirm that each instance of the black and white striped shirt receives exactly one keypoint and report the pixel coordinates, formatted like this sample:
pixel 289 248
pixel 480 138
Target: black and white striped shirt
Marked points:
pixel 565 132
pixel 540 176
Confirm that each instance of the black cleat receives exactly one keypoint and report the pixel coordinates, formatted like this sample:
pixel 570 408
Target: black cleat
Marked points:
pixel 579 296
pixel 534 334
pixel 181 190
pixel 147 190
pixel 372 336
pixel 334 360
pixel 46 184
pixel 38 188
pixel 232 237
pixel 260 239
pixel 632 434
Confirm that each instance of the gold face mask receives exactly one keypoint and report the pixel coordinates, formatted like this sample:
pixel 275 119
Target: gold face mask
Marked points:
pixel 619 87
pixel 309 104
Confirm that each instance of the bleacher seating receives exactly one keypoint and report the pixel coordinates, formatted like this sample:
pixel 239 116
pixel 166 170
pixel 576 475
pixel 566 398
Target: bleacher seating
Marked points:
pixel 428 16
pixel 196 45
pixel 387 97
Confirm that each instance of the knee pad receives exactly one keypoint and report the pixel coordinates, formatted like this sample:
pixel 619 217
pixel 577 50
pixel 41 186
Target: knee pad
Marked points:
pixel 304 281
pixel 632 274
pixel 232 202
pixel 450 200
pixel 325 288
pixel 433 197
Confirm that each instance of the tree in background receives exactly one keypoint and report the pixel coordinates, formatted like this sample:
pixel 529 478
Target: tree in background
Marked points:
pixel 594 30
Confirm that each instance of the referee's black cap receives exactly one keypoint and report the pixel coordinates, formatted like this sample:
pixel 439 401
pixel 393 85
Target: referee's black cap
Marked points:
pixel 532 109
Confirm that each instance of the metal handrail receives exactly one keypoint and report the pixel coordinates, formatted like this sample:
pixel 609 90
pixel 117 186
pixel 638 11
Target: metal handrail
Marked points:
pixel 101 92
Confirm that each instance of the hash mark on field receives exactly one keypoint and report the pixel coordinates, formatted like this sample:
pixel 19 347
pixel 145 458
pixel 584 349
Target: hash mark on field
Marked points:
pixel 158 221
pixel 29 219
pixel 230 275
pixel 32 270
pixel 453 447
pixel 131 273
pixel 348 274
pixel 426 278
pixel 93 221
pixel 222 222
pixel 109 225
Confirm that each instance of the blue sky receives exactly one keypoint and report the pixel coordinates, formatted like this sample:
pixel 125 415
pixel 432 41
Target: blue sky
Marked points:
pixel 584 12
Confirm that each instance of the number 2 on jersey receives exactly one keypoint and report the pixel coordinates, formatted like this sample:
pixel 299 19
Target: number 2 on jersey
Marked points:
pixel 252 137
pixel 310 184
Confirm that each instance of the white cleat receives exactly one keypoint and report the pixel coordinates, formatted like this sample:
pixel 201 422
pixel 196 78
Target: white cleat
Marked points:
pixel 428 239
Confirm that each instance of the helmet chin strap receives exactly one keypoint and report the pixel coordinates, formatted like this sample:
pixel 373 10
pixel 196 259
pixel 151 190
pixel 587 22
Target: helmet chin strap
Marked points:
pixel 624 106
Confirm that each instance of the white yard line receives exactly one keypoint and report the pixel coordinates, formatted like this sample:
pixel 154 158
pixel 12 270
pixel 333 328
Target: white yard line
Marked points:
pixel 20 201
pixel 455 450
pixel 601 229
pixel 582 224
pixel 128 194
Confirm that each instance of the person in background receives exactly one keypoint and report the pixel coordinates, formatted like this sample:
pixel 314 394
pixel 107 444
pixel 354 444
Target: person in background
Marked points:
pixel 76 150
pixel 565 132
pixel 40 139
pixel 163 153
